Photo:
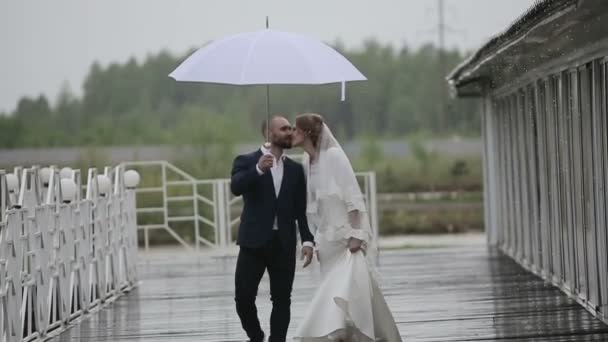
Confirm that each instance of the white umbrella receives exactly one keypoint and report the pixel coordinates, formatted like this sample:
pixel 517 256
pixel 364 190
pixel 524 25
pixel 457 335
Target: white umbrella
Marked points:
pixel 267 57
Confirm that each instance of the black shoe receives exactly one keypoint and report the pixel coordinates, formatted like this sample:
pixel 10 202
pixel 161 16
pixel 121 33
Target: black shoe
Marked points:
pixel 260 339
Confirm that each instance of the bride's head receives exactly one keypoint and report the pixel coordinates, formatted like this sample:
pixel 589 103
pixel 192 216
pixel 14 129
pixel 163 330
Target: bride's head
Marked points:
pixel 309 127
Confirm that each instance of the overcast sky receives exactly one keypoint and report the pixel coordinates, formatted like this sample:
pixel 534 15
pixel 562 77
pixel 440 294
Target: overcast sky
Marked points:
pixel 45 43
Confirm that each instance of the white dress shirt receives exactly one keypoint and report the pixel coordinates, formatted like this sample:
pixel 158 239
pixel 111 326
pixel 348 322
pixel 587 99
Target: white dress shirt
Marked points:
pixel 277 171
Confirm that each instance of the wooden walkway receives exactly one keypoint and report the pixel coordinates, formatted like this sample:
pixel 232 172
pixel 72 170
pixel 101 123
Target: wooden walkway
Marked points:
pixel 436 294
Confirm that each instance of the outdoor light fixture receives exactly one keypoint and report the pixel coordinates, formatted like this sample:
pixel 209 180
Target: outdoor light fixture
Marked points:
pixel 68 190
pixel 12 183
pixel 66 172
pixel 45 176
pixel 131 179
pixel 104 184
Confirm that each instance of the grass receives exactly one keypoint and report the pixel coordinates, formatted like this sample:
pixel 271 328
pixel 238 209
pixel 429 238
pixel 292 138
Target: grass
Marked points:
pixel 434 221
pixel 412 246
pixel 437 173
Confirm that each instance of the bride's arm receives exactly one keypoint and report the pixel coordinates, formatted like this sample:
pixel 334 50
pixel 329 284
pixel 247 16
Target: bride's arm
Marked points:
pixel 353 199
pixel 357 236
pixel 305 234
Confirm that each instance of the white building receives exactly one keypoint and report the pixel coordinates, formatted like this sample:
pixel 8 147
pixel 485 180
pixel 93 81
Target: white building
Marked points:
pixel 544 88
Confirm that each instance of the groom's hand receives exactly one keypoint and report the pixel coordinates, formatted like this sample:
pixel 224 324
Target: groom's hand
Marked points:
pixel 265 163
pixel 307 253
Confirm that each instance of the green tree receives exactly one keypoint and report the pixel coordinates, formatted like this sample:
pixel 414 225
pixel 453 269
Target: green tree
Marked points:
pixel 137 103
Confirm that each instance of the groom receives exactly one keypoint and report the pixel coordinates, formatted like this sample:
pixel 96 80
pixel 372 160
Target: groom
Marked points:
pixel 274 195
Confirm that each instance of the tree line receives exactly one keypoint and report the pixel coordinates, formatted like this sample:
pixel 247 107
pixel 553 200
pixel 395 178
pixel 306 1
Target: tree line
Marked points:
pixel 137 103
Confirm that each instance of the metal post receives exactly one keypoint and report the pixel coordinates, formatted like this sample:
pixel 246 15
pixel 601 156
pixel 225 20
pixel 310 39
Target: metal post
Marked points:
pixel 196 223
pixel 164 187
pixel 222 213
pixel 146 241
pixel 226 191
pixel 373 203
pixel 216 215
pixel 3 191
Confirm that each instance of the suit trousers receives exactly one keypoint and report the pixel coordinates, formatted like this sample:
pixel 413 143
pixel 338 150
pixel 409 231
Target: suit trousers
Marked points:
pixel 250 267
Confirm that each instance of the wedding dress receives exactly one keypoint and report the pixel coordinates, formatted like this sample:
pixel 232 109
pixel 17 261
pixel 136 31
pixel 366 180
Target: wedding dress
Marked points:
pixel 348 305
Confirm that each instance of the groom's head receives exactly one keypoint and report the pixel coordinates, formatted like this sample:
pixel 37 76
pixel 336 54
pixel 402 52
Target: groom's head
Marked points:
pixel 280 131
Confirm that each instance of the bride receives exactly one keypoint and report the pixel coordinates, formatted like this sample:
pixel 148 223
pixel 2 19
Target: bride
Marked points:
pixel 348 305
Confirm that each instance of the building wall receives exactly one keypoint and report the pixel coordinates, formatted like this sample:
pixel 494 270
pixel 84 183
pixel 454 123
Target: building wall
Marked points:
pixel 546 164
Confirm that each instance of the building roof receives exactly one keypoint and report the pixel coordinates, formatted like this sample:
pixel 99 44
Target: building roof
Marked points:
pixel 547 30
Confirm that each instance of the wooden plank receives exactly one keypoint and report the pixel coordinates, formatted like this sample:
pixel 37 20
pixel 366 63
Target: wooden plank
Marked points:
pixel 436 294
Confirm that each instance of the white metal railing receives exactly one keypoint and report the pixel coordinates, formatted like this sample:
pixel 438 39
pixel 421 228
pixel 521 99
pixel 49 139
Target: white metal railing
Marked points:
pixel 60 260
pixel 209 214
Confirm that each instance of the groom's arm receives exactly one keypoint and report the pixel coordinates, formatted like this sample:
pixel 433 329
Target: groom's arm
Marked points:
pixel 244 175
pixel 305 234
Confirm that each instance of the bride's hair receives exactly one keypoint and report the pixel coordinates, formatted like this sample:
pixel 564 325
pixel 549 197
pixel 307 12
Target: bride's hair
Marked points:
pixel 312 125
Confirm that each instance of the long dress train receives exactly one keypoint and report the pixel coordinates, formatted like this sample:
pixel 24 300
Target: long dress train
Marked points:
pixel 348 305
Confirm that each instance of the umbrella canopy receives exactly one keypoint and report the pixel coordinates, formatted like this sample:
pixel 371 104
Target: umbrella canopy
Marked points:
pixel 267 57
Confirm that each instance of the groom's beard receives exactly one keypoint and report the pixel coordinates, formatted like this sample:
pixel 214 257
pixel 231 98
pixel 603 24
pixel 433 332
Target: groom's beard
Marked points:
pixel 284 144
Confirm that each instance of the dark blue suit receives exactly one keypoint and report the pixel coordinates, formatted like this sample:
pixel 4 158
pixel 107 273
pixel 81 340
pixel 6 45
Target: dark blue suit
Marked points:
pixel 261 247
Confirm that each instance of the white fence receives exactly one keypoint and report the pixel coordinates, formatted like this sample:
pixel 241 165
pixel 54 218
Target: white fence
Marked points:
pixel 61 259
pixel 201 213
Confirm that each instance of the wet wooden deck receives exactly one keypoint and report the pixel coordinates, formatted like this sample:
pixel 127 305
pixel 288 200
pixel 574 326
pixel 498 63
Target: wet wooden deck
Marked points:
pixel 436 294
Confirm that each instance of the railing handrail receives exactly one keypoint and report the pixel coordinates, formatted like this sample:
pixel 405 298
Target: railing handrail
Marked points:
pixel 222 220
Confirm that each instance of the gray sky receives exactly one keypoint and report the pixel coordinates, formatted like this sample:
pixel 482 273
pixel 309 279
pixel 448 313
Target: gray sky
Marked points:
pixel 46 43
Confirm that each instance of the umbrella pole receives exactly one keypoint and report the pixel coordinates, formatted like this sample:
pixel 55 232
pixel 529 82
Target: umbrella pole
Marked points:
pixel 268 113
pixel 267 103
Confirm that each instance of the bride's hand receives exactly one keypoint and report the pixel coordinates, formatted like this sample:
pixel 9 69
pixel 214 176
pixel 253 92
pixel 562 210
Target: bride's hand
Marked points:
pixel 354 245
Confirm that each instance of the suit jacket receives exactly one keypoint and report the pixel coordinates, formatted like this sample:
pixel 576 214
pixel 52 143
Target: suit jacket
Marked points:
pixel 261 205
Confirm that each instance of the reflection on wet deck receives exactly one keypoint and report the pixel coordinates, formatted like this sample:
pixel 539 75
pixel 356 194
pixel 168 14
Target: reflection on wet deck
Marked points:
pixel 436 294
